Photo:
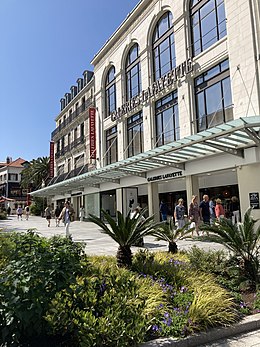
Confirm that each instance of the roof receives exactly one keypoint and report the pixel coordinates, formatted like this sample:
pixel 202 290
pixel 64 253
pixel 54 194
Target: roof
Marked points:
pixel 17 163
pixel 231 137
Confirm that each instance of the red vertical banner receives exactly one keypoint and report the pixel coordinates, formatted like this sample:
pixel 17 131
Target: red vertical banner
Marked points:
pixel 51 170
pixel 92 133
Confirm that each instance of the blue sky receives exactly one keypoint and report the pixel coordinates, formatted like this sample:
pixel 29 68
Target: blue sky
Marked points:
pixel 45 46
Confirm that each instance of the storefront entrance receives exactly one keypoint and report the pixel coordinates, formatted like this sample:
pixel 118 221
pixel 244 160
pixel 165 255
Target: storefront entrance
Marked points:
pixel 108 202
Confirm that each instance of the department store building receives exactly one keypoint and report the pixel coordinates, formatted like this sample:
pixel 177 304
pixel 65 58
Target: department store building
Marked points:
pixel 173 110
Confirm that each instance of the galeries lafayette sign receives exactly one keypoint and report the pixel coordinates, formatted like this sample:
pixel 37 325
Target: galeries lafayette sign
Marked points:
pixel 164 82
pixel 165 176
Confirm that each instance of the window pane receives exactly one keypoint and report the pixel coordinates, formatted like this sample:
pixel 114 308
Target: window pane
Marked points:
pixel 213 98
pixel 207 8
pixel 227 92
pixel 211 73
pixel 208 30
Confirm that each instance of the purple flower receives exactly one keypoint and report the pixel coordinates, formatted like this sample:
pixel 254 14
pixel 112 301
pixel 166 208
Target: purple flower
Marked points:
pixel 155 327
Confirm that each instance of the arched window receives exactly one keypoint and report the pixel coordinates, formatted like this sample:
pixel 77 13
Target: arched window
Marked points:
pixel 208 23
pixel 164 58
pixel 133 73
pixel 110 91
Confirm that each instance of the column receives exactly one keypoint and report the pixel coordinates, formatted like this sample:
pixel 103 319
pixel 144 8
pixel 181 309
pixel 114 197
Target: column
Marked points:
pixel 119 200
pixel 192 187
pixel 153 200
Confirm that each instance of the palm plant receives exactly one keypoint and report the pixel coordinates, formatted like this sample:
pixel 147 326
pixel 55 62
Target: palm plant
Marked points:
pixel 125 231
pixel 170 233
pixel 241 239
pixel 36 172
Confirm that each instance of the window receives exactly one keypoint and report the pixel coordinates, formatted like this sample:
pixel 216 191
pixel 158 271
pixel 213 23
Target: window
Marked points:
pixel 60 170
pixel 164 58
pixel 82 130
pixel 12 177
pixel 208 23
pixel 213 97
pixel 77 109
pixel 75 133
pixel 110 91
pixel 111 145
pixel 167 119
pixel 79 161
pixel 133 73
pixel 135 134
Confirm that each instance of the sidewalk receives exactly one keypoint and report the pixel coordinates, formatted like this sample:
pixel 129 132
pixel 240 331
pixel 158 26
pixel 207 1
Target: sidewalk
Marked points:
pixel 100 244
pixel 96 242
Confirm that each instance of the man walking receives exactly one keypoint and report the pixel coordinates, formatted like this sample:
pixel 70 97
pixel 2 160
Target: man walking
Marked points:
pixel 205 210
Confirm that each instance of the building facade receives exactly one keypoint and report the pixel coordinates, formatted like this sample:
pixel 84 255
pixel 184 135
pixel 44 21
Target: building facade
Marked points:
pixel 11 192
pixel 177 109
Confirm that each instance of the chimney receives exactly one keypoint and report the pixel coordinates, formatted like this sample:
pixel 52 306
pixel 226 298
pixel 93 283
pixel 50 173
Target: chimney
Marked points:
pixel 80 84
pixel 62 103
pixel 9 160
pixel 74 91
pixel 67 98
pixel 87 76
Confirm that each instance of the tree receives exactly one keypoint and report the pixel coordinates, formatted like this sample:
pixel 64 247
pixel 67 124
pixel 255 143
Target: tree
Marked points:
pixel 126 232
pixel 242 239
pixel 170 233
pixel 36 172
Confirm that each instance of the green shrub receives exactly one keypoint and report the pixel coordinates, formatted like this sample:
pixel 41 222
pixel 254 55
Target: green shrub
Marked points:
pixel 110 308
pixel 3 215
pixel 36 269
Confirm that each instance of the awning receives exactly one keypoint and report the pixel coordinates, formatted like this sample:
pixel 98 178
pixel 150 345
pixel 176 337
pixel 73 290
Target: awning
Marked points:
pixel 232 137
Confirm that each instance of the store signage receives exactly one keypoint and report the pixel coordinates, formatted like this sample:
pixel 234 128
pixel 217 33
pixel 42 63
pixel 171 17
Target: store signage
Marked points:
pixel 92 133
pixel 164 177
pixel 158 86
pixel 254 200
pixel 51 167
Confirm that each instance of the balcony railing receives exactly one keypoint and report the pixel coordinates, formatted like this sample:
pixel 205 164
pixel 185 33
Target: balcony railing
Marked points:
pixel 71 117
pixel 70 147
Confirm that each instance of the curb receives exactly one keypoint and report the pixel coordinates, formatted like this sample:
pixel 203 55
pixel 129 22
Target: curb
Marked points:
pixel 249 323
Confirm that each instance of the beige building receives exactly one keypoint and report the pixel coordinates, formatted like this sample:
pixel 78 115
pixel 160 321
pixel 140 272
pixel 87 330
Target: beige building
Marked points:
pixel 176 93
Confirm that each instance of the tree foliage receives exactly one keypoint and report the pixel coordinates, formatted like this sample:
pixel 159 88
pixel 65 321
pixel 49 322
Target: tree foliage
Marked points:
pixel 36 172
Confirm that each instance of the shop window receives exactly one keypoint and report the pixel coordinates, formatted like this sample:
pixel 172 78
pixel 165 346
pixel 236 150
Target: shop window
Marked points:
pixel 167 119
pixel 208 23
pixel 133 73
pixel 213 97
pixel 164 58
pixel 110 91
pixel 135 134
pixel 111 145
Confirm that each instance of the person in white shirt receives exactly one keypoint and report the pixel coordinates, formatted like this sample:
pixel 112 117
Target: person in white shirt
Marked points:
pixel 67 216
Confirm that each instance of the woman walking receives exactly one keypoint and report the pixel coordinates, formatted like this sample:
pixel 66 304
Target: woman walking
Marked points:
pixel 194 213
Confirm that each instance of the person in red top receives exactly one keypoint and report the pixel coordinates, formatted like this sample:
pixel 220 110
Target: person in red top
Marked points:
pixel 219 209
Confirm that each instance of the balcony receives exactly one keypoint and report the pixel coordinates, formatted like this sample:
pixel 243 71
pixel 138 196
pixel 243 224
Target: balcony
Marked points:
pixel 79 141
pixel 72 117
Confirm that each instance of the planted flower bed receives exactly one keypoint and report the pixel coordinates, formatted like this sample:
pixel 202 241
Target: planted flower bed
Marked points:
pixel 53 294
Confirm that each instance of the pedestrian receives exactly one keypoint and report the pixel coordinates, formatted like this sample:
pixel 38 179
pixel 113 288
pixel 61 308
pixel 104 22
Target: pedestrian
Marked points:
pixel 194 214
pixel 48 215
pixel 212 210
pixel 19 212
pixel 219 210
pixel 235 210
pixel 27 212
pixel 57 212
pixel 164 210
pixel 204 209
pixel 81 213
pixel 67 216
pixel 179 213
pixel 8 210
